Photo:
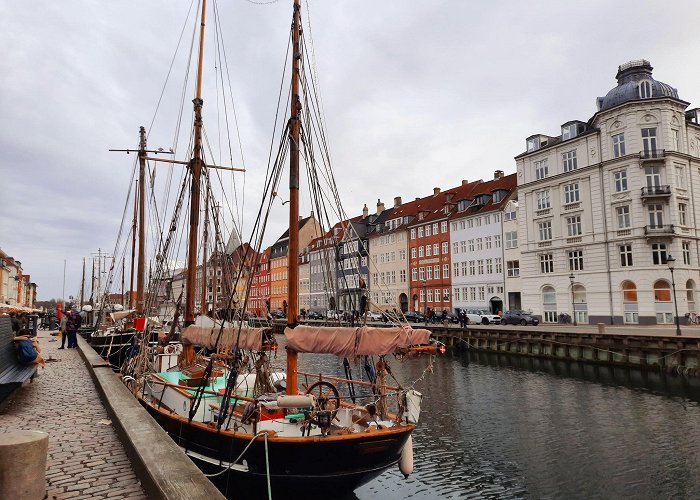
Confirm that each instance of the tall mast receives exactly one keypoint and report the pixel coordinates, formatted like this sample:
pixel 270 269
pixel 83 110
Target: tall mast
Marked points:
pixel 123 278
pixel 82 286
pixel 133 246
pixel 204 257
pixel 293 253
pixel 141 272
pixel 196 171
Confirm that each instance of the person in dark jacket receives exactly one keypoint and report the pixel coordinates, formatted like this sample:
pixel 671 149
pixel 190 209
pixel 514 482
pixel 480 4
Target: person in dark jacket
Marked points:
pixel 73 322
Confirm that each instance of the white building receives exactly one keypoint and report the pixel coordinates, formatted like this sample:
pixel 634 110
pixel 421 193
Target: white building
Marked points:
pixel 602 205
pixel 476 235
pixel 511 256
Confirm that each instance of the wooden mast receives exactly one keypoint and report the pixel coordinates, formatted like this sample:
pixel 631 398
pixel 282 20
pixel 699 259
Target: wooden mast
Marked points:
pixel 293 253
pixel 82 286
pixel 203 305
pixel 133 247
pixel 141 271
pixel 195 181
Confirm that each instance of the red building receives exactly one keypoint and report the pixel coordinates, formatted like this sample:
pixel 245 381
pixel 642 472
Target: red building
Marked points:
pixel 258 301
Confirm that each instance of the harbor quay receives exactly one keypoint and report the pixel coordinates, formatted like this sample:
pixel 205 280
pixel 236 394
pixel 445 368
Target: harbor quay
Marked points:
pixel 85 457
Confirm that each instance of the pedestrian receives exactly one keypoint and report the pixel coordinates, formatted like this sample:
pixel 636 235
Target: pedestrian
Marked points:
pixel 62 329
pixel 72 324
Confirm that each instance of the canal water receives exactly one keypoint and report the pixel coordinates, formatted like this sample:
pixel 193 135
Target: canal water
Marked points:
pixel 503 426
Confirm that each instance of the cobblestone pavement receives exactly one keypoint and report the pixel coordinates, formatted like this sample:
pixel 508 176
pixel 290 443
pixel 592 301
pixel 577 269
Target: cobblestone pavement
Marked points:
pixel 86 459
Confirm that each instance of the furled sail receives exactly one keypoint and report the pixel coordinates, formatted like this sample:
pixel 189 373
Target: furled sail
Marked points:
pixel 359 341
pixel 205 331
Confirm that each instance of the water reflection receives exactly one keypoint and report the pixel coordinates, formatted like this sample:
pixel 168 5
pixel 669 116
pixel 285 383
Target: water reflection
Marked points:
pixel 501 426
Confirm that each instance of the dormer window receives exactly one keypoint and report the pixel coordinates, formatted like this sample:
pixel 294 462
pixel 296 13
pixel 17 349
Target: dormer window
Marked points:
pixel 568 131
pixel 533 144
pixel 462 205
pixel 498 195
pixel 644 89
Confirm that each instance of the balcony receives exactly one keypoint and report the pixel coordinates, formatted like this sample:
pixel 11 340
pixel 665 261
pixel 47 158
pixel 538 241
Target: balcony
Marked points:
pixel 652 155
pixel 649 192
pixel 659 231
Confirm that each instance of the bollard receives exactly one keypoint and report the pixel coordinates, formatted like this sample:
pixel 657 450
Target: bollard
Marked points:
pixel 23 464
pixel 601 327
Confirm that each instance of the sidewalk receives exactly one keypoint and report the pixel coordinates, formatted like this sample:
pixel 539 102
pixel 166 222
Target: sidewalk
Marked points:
pixel 86 459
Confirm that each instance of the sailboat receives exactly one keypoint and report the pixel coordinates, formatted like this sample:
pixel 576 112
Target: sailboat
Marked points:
pixel 253 429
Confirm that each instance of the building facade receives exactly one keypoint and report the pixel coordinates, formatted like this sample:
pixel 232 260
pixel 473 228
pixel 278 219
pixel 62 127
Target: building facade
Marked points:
pixel 604 204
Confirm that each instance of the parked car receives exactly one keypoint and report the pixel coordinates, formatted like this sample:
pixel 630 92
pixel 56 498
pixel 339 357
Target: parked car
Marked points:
pixel 483 317
pixel 314 315
pixel 335 314
pixel 278 314
pixel 517 317
pixel 414 317
pixel 374 316
pixel 452 318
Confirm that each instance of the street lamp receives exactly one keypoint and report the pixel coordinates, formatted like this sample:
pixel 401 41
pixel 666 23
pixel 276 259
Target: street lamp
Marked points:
pixel 671 264
pixel 573 311
pixel 425 298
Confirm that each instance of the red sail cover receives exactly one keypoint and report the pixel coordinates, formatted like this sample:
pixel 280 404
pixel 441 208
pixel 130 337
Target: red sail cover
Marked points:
pixel 347 342
pixel 205 336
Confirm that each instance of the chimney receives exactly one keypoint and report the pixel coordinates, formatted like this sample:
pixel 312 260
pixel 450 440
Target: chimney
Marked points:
pixel 365 211
pixel 397 201
pixel 498 174
pixel 465 182
pixel 380 207
pixel 436 191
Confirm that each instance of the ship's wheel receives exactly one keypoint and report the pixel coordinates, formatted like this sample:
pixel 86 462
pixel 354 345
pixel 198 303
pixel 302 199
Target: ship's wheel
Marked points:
pixel 327 403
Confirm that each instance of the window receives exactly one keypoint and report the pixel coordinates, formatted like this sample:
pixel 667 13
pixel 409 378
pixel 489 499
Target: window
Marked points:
pixel 482 294
pixel 472 293
pixel 478 221
pixel 421 251
pixel 653 176
pixel 620 181
pixel 428 250
pixel 675 143
pixel 430 295
pixel 487 241
pixel 541 169
pixel 427 230
pixel 682 214
pixel 421 273
pixel 436 249
pixel 499 265
pixel 436 272
pixel 549 303
pixel 420 232
pixel 422 295
pixel 480 266
pixel 402 254
pixel 470 223
pixel 479 244
pixel 429 272
pixel 497 241
pixel 568 131
pixel 513 268
pixel 489 266
pixel 662 298
pixel 498 196
pixel 455 270
pixel 576 260
pixel 680 176
pixel 445 271
pixel 686 252
pixel 455 247
pixel 649 141
pixel 623 217
pixel 644 89
pixel 629 302
pixel 402 275
pixel 456 294
pixel 471 245
pixel 543 199
pixel 413 252
pixel 414 274
pixel 571 193
pixel 618 141
pixel 546 263
pixel 573 225
pixel 511 239
pixel 656 215
pixel 413 234
pixel 626 255
pixel 443 227
pixel 445 247
pixel 658 253
pixel 545 230
pixel 472 268
pixel 435 228
pixel 569 161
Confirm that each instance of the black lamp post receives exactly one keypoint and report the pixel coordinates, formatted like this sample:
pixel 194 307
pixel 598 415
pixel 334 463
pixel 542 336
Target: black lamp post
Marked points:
pixel 573 310
pixel 671 264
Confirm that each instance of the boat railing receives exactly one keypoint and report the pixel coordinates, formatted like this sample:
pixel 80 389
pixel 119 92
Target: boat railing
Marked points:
pixel 320 377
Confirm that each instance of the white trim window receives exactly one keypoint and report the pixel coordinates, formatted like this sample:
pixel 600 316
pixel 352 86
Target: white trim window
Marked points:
pixel 513 268
pixel 573 226
pixel 541 169
pixel 576 260
pixel 546 263
pixel 682 214
pixel 685 246
pixel 545 230
pixel 626 255
pixel 571 193
pixel 620 180
pixel 511 239
pixel 618 141
pixel 658 254
pixel 649 141
pixel 543 199
pixel 569 161
pixel 645 89
pixel 623 217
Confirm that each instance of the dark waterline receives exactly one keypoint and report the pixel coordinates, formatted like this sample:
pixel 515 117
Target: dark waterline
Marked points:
pixel 503 426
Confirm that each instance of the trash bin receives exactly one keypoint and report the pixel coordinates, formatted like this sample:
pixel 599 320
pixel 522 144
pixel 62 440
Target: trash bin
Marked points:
pixel 601 327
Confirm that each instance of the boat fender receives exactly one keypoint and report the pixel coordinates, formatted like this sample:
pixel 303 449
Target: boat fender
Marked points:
pixel 296 401
pixel 406 460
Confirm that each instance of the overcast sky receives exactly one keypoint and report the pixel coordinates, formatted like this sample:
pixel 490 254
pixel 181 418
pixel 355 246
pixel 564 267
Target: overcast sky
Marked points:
pixel 416 95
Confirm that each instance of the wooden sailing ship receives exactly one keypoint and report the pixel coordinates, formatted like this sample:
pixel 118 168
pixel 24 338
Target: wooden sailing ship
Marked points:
pixel 254 430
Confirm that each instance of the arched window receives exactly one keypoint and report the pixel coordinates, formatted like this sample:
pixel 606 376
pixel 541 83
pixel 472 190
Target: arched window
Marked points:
pixel 662 299
pixel 580 304
pixel 629 302
pixel 690 295
pixel 549 304
pixel 644 89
